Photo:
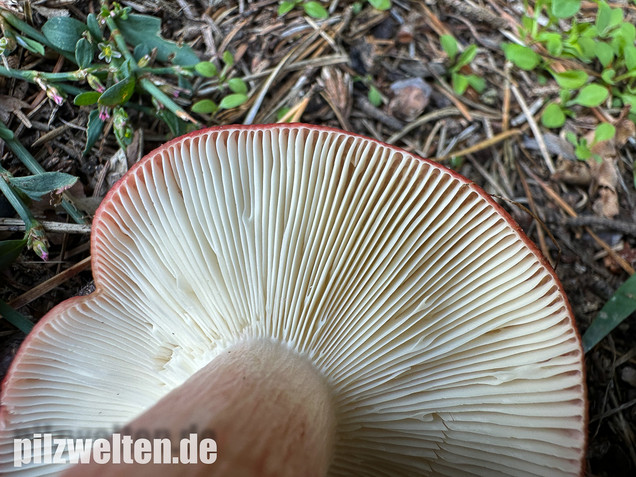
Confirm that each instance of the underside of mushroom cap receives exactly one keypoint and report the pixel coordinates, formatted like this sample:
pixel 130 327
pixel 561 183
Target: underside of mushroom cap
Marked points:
pixel 446 340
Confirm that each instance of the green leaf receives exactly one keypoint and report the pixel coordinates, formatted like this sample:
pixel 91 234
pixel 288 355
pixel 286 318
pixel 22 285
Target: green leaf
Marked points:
pixel 93 27
pixel 381 4
pixel 177 125
pixel 522 56
pixel 237 85
pixel 466 57
pixel 86 99
pixel 37 185
pixel 205 106
pixel 119 93
pixel 83 53
pixel 285 7
pixel 31 45
pixel 616 17
pixel 553 116
pixel 565 8
pixel 591 95
pixel 570 136
pixel 619 307
pixel 630 57
pixel 460 83
pixel 625 34
pixel 63 32
pixel 16 318
pixel 315 10
pixel 140 51
pixel 603 18
pixel 586 48
pixel 582 151
pixel 228 59
pixel 93 130
pixel 553 42
pixel 143 29
pixel 478 84
pixel 570 79
pixel 608 75
pixel 206 68
pixel 449 45
pixel 10 250
pixel 604 132
pixel 374 95
pixel 604 53
pixel 232 101
pixel 5 133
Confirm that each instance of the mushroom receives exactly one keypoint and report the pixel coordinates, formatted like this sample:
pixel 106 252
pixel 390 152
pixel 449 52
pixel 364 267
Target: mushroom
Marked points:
pixel 318 302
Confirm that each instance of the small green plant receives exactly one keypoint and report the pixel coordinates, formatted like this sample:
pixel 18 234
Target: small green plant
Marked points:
pixel 119 64
pixel 583 149
pixel 19 191
pixel 112 52
pixel 459 80
pixel 373 93
pixel 237 86
pixel 312 8
pixel 316 10
pixel 605 50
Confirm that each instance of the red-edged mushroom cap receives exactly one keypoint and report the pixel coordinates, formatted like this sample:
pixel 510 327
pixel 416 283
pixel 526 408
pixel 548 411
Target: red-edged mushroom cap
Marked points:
pixel 445 342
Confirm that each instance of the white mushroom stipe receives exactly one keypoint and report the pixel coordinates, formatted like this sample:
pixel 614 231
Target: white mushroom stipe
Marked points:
pixel 434 338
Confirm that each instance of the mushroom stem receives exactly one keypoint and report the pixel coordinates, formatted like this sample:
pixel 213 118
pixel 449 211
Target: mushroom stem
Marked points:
pixel 268 409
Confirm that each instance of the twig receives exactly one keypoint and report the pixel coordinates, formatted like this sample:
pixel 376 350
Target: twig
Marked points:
pixel 481 145
pixel 628 228
pixel 535 129
pixel 50 284
pixel 570 211
pixel 17 225
pixel 432 116
pixel 533 207
pixel 377 114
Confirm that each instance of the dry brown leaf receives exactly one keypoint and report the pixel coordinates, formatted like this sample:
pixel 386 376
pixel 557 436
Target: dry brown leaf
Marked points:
pixel 604 177
pixel 11 105
pixel 337 88
pixel 573 172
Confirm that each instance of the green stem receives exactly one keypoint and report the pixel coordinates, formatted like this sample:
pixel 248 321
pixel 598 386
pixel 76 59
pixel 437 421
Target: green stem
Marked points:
pixel 167 70
pixel 31 75
pixel 119 40
pixel 34 166
pixel 150 88
pixel 147 85
pixel 15 201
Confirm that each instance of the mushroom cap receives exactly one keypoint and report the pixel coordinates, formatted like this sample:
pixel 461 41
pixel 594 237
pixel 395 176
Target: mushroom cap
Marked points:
pixel 445 337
